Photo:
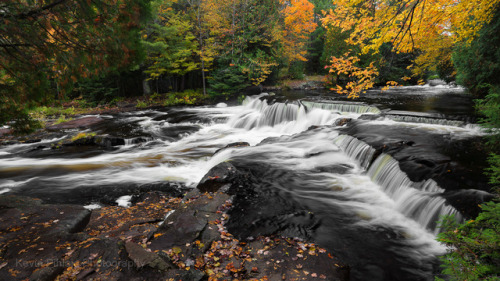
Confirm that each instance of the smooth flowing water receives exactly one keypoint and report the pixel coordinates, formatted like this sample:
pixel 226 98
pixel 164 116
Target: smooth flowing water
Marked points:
pixel 371 214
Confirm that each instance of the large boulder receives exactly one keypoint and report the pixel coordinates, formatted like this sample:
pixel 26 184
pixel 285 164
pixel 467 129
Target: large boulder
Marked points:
pixel 219 176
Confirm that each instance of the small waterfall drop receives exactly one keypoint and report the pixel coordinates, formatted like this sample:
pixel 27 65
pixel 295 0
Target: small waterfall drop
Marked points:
pixel 284 117
pixel 426 120
pixel 342 107
pixel 418 200
pixel 356 149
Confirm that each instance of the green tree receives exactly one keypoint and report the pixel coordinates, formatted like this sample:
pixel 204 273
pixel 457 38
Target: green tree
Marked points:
pixel 246 34
pixel 474 247
pixel 478 62
pixel 171 46
pixel 47 46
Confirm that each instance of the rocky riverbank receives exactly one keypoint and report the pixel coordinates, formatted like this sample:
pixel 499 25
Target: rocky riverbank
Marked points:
pixel 161 237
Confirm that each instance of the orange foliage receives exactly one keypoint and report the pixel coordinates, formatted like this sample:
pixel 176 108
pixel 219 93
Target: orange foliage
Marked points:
pixel 359 79
pixel 298 24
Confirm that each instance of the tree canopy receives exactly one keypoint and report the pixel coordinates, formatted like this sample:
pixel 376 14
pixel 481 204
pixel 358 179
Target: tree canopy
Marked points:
pixel 47 46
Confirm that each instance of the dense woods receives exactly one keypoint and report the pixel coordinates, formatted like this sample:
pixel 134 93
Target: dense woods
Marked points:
pixel 100 51
pixel 103 50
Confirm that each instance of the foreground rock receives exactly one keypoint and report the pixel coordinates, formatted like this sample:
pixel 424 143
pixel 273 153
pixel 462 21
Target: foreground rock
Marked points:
pixel 159 238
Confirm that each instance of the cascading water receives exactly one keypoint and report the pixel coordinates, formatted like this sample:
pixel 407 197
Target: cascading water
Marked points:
pixel 306 161
pixel 426 120
pixel 420 201
pixel 342 107
pixel 285 118
pixel 356 149
pixel 417 200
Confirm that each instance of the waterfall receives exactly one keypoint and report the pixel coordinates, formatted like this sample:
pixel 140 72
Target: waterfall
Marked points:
pixel 356 149
pixel 261 114
pixel 292 117
pixel 426 120
pixel 418 200
pixel 342 107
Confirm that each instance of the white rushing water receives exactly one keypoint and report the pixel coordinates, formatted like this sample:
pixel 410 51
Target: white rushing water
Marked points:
pixel 375 191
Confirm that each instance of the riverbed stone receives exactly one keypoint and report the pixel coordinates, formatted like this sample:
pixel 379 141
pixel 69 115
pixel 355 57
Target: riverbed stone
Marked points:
pixel 178 229
pixel 30 230
pixel 217 177
pixel 81 123
pixel 142 258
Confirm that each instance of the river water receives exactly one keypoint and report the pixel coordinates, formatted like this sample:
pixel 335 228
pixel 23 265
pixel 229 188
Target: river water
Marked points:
pixel 366 209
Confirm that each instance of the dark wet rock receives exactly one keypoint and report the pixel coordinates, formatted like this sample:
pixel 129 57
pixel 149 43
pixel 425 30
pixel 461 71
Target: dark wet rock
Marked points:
pixel 342 121
pixel 33 140
pixel 104 194
pixel 37 148
pixel 177 131
pixel 288 262
pixel 104 141
pixel 209 204
pixel 81 123
pixel 30 230
pixel 468 201
pixel 46 274
pixel 10 142
pixel 369 117
pixel 217 177
pixel 139 140
pixel 67 219
pixel 113 245
pixel 232 145
pixel 9 201
pixel 179 228
pixel 142 258
pixel 73 224
pixel 109 141
pixel 180 116
pixel 193 221
pixel 252 90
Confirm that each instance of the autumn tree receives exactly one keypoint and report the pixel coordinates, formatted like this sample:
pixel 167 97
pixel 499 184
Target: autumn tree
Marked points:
pixel 297 26
pixel 350 79
pixel 47 46
pixel 427 26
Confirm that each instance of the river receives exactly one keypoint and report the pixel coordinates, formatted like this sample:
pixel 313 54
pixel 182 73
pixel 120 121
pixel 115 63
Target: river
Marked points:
pixel 366 179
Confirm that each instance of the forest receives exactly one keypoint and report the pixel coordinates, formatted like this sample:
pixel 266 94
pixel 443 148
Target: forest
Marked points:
pixel 98 53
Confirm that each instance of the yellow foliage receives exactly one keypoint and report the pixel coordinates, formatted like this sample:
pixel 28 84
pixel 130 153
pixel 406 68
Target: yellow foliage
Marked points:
pixel 359 79
pixel 430 25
